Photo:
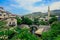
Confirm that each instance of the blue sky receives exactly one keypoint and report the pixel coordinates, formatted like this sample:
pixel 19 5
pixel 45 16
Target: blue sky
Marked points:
pixel 23 7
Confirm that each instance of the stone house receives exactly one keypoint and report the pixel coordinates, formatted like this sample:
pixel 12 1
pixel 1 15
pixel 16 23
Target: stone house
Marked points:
pixel 8 17
pixel 11 22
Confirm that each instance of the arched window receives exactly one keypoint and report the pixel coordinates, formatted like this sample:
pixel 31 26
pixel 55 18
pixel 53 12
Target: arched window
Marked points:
pixel 10 23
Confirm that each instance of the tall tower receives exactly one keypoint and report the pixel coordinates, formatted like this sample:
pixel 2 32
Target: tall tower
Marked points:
pixel 48 12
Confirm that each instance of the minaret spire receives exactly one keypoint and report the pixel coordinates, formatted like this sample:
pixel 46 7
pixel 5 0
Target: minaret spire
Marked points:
pixel 48 12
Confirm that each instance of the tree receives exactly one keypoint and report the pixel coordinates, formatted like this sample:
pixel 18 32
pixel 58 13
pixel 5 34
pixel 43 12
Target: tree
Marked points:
pixel 57 38
pixel 26 20
pixel 56 26
pixel 2 23
pixel 24 34
pixel 49 35
pixel 53 19
pixel 19 21
pixel 53 32
pixel 36 21
pixel 43 22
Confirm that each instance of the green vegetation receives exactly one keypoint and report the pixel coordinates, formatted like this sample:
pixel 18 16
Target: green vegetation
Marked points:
pixel 36 21
pixel 24 34
pixel 43 22
pixel 19 20
pixel 53 19
pixel 15 33
pixel 57 38
pixel 53 33
pixel 39 22
pixel 26 20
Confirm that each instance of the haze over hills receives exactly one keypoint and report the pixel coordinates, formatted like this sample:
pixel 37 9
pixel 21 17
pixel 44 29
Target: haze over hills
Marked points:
pixel 37 14
pixel 55 12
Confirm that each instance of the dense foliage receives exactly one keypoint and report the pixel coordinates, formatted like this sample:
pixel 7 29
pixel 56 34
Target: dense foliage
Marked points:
pixel 53 19
pixel 19 20
pixel 26 20
pixel 43 22
pixel 53 33
pixel 15 33
pixel 36 21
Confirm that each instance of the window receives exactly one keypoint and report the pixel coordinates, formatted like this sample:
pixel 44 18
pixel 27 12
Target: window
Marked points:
pixel 10 23
pixel 12 19
pixel 0 18
pixel 4 15
pixel 13 23
pixel 0 14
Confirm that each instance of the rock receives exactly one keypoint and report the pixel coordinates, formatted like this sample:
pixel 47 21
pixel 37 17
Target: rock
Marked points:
pixel 24 26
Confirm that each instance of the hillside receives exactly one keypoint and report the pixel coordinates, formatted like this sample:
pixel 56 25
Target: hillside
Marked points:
pixel 40 14
pixel 55 12
pixel 35 14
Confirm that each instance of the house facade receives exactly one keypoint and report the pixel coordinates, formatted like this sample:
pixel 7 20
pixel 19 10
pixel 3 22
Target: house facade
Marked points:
pixel 8 17
pixel 11 22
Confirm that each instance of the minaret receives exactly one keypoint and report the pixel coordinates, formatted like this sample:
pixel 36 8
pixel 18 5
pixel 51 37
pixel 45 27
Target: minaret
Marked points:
pixel 48 12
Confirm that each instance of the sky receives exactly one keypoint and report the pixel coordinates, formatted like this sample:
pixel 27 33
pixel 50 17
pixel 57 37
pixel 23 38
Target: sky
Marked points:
pixel 23 7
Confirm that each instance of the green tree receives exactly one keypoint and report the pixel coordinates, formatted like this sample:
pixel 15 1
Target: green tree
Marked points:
pixel 56 26
pixel 43 22
pixel 49 35
pixel 53 32
pixel 19 20
pixel 2 23
pixel 24 34
pixel 27 21
pixel 57 38
pixel 36 21
pixel 53 19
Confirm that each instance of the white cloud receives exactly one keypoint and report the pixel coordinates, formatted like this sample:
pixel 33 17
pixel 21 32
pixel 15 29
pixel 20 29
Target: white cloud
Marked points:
pixel 28 4
pixel 55 5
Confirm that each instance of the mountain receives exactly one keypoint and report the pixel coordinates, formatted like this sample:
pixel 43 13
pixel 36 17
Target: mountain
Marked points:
pixel 55 12
pixel 35 14
pixel 40 14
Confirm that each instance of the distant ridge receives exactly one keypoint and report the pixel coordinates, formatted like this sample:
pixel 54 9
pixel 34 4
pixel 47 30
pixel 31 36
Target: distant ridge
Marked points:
pixel 37 14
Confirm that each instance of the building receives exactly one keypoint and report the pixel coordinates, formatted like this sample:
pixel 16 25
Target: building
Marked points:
pixel 41 29
pixel 8 17
pixel 42 19
pixel 11 22
pixel 48 12
pixel 59 18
